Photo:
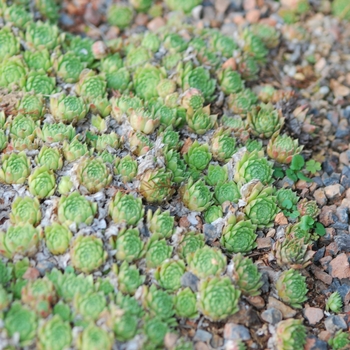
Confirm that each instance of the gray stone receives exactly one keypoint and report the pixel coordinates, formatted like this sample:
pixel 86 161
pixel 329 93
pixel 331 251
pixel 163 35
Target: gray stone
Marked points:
pixel 343 290
pixel 319 254
pixel 342 129
pixel 234 331
pixel 188 279
pixel 343 214
pixel 45 266
pixel 266 284
pixel 210 232
pixel 334 323
pixel 202 335
pixel 334 192
pixel 272 315
pixel 313 343
pixel 343 242
pixel 318 181
pixel 346 113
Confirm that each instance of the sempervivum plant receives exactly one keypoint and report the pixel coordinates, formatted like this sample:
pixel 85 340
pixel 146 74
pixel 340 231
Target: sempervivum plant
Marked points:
pixel 192 98
pixel 155 185
pixel 238 236
pixel 230 81
pixel 119 15
pixel 13 73
pixel 185 303
pixel 155 330
pixel 101 142
pixel 90 305
pixel 140 144
pixel 182 5
pixel 261 208
pixel 340 341
pixel 91 85
pixel 267 33
pixel 37 60
pixel 293 252
pixel 196 195
pixel 49 157
pixel 65 185
pixel 161 223
pixel 175 165
pixel 41 35
pixel 157 252
pixel 129 278
pixel 213 213
pixel 25 209
pixel 308 208
pixel 126 167
pixel 93 174
pixel 55 132
pixel 169 274
pixel 21 238
pixel 198 156
pixel 94 337
pixel 189 243
pixel 291 288
pixel 200 120
pixel 218 298
pixel 54 334
pixel 216 174
pixel 334 302
pixel 68 109
pixel 253 166
pixel 87 253
pixel 143 120
pixel 32 105
pixel 42 182
pixel 74 149
pixel 40 83
pixel 128 245
pixel 68 67
pixel 227 192
pixel 126 208
pixel 223 145
pixel 241 102
pixel 290 334
pixel 264 120
pixel 207 261
pixel 15 168
pixel 57 238
pixel 76 208
pixel 246 275
pixel 9 43
pixel 282 148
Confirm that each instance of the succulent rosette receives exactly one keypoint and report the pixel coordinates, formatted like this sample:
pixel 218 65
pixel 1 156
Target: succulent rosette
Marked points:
pixel 49 157
pixel 334 302
pixel 196 195
pixel 282 148
pixel 76 208
pixel 264 120
pixel 90 305
pixel 213 213
pixel 230 81
pixel 140 144
pixel 74 149
pixel 198 156
pixel 151 41
pixel 144 120
pixel 111 63
pixel 126 167
pixel 5 299
pixel 216 175
pixel 119 79
pixel 55 132
pixel 308 208
pixel 190 242
pixel 174 42
pixel 246 275
pixel 54 334
pixel 91 85
pixel 22 238
pixel 87 253
pixel 182 5
pixel 218 298
pixel 25 210
pixel 12 73
pixel 129 245
pixel 126 208
pixel 129 278
pixel 155 330
pixel 22 127
pixel 290 334
pixel 241 102
pixel 226 192
pixel 120 15
pixel 42 182
pixel 138 56
pixel 286 198
pixel 10 44
pixel 267 33
pixel 157 252
pixel 32 105
pixel 261 208
pixel 169 274
pixel 166 87
pixel 340 340
pixel 123 105
pixel 254 46
pixel 175 165
pixel 239 236
pixel 57 238
pixel 15 168
pixel 68 109
pixel 207 261
pixel 37 60
pixel 291 288
pixel 253 166
pixel 192 98
pixel 3 140
pixel 68 67
pixel 171 139
pixel 200 120
pixel 161 223
pixel 40 83
pixel 94 337
pixel 185 303
pixel 223 146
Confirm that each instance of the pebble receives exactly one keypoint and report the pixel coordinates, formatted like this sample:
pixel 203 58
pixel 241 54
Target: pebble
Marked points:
pixel 272 315
pixel 264 242
pixel 216 342
pixel 188 279
pixel 202 335
pixel 319 254
pixel 45 266
pixel 313 315
pixel 334 323
pixel 280 219
pixel 210 233
pixel 344 158
pixel 346 113
pixel 329 166
pixel 313 343
pixel 31 274
pixel 344 291
pixel 343 242
pixel 265 279
pixel 320 196
pixel 234 331
pixel 326 215
pixel 339 267
pixel 343 214
pixel 256 301
pixel 287 311
pixel 201 346
pixel 155 24
pixel 342 129
pixel 321 275
pixel 253 16
pixel 334 192
pixel 318 180
pixel 333 117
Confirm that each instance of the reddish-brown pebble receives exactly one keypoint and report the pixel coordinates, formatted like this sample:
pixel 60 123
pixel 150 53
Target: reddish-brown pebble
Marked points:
pixel 313 315
pixel 253 16
pixel 155 24
pixel 339 267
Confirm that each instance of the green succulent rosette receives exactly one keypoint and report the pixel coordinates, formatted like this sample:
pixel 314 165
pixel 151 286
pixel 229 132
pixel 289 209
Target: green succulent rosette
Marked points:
pixel 218 298
pixel 171 139
pixel 15 168
pixel 174 42
pixel 40 83
pixel 268 34
pixel 254 46
pixel 94 337
pixel 264 120
pixel 200 120
pixel 223 146
pixel 189 243
pixel 57 238
pixel 283 148
pixel 49 157
pixel 309 208
pixel 140 144
pixel 25 210
pixel 22 132
pixel 160 223
pixel 111 63
pixel 23 321
pixel 9 43
pixel 143 120
pixel 239 236
pixel 291 288
pixel 129 245
pixel 185 303
pixel 334 302
pixel 166 87
pixel 120 15
pixel 151 41
pixel 192 99
pixel 196 196
pixel 230 81
pixel 55 334
pixel 216 175
pixel 32 105
pixel 261 209
pixel 198 156
pixel 340 9
pixel 90 305
pixel 246 275
pixel 227 192
pixel 119 80
pixel 157 251
pixel 169 274
pixel 126 167
pixel 241 102
pixel 138 56
pixel 206 261
pixel 87 253
pixel 182 5
pixel 175 165
pixel 155 330
pixel 49 9
pixel 56 132
pixel 42 183
pixel 76 208
pixel 74 149
pixel 340 340
pixel 5 273
pixel 65 186
pixel 68 67
pixel 101 142
pixel 3 140
pixel 213 213
pixel 5 299
pixel 286 198
pixel 38 60
pixel 90 85
pixel 125 324
pixel 290 334
pixel 129 278
pixel 12 73
pixel 158 302
pixel 17 15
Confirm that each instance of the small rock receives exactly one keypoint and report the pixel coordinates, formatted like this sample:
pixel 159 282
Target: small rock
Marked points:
pixel 334 323
pixel 210 233
pixel 188 279
pixel 287 311
pixel 264 242
pixel 313 315
pixel 170 340
pixel 155 24
pixel 343 242
pixel 217 341
pixel 321 275
pixel 339 267
pixel 45 266
pixel 280 219
pixel 324 335
pixel 344 291
pixel 326 215
pixel 327 259
pixel 31 274
pixel 334 192
pixel 342 129
pixel 272 316
pixel 253 16
pixel 221 5
pixel 343 158
pixel 343 214
pixel 256 301
pixel 318 180
pixel 313 343
pixel 331 250
pixel 201 346
pixel 249 4
pixel 320 196
pixel 184 222
pixel 234 331
pixel 319 254
pixel 202 335
pixel 333 117
pixel 230 63
pixel 329 166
